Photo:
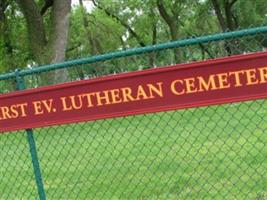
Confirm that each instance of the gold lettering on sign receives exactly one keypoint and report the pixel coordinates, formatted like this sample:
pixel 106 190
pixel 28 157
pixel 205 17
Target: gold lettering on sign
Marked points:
pixel 43 106
pixel 219 81
pixel 137 93
pixel 190 85
pixel 251 77
pixel 263 74
pixel 112 96
pixel 127 94
pixel 174 87
pixel 115 96
pixel 13 111
pixel 89 100
pixel 205 85
pixel 237 79
pixel 223 80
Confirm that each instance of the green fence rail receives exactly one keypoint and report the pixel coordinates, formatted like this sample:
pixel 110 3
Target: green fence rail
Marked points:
pixel 141 50
pixel 209 152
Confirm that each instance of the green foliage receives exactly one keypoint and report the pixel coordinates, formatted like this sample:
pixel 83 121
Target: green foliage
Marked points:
pixel 114 25
pixel 14 51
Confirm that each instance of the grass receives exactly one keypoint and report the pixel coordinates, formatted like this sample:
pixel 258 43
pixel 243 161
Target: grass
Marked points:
pixel 216 152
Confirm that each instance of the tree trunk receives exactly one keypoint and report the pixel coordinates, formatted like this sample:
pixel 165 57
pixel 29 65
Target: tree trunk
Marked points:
pixel 152 55
pixel 222 23
pixel 219 15
pixel 59 36
pixel 172 22
pixel 35 28
pixel 51 49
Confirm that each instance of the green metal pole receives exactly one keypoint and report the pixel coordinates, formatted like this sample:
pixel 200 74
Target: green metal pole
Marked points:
pixel 33 151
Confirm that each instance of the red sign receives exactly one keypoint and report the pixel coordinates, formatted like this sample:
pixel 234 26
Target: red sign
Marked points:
pixel 218 81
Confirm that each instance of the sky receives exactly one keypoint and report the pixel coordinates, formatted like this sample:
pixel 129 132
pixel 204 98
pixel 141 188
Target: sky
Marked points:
pixel 87 3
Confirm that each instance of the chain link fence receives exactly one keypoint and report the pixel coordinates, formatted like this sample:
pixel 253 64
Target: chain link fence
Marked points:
pixel 211 152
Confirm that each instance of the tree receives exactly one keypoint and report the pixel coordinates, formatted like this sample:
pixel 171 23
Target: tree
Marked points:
pixel 48 43
pixel 176 14
pixel 37 32
pixel 226 16
pixel 126 14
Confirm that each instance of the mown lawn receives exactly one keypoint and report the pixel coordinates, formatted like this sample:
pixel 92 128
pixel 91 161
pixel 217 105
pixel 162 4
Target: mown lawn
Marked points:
pixel 216 152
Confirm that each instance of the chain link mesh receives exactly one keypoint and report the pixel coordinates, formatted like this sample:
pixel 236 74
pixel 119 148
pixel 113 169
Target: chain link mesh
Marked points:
pixel 16 172
pixel 7 86
pixel 203 153
pixel 166 57
pixel 209 152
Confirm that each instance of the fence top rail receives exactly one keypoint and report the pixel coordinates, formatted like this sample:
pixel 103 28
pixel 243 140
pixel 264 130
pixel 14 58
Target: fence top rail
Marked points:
pixel 137 51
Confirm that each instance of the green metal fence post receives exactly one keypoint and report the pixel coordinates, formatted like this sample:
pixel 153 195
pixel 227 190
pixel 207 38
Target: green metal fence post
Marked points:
pixel 34 156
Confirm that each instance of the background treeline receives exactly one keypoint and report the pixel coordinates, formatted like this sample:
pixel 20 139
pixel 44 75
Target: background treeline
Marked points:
pixel 39 32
